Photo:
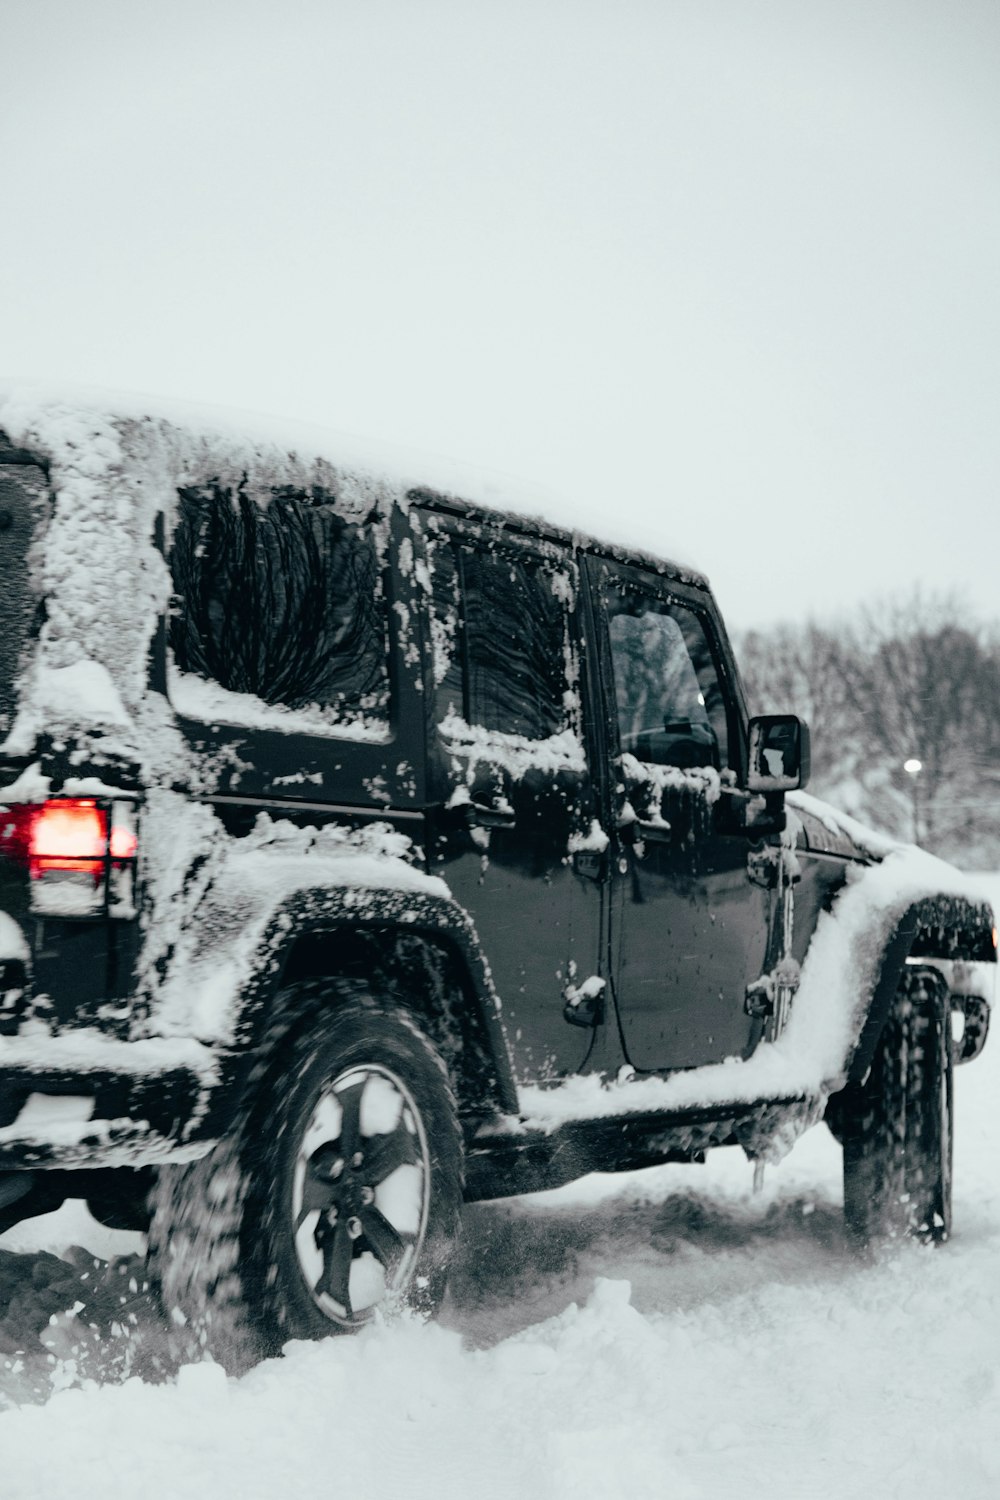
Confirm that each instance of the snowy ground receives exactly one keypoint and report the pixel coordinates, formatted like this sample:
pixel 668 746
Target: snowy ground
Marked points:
pixel 665 1334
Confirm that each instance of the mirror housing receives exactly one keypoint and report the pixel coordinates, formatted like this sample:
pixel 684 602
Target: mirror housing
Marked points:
pixel 779 756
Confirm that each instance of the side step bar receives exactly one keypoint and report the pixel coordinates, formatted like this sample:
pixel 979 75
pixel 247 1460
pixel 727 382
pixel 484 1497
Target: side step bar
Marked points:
pixel 499 1164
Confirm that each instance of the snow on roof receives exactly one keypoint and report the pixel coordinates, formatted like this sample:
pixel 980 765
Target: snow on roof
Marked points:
pixel 115 463
pixel 227 442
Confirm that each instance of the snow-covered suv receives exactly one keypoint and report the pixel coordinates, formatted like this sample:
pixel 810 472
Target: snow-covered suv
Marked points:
pixel 365 850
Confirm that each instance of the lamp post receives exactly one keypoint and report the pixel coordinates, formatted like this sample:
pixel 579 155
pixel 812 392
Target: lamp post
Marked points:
pixel 913 768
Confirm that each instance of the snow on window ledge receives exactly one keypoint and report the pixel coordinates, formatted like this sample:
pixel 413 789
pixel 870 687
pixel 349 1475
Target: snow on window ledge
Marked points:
pixel 196 698
pixel 515 752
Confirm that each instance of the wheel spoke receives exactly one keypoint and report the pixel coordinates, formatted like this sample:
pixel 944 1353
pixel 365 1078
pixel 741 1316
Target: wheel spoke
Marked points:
pixel 349 1099
pixel 335 1280
pixel 387 1243
pixel 384 1153
pixel 317 1194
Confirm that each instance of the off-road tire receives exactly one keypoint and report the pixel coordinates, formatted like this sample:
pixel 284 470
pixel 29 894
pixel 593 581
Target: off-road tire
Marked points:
pixel 223 1246
pixel 897 1128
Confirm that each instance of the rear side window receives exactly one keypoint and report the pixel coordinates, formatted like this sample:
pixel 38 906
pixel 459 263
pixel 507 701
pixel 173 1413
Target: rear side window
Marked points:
pixel 500 636
pixel 23 502
pixel 278 605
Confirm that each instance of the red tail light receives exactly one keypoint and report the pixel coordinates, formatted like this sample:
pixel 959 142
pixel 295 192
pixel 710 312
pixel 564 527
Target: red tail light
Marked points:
pixel 70 835
pixel 78 851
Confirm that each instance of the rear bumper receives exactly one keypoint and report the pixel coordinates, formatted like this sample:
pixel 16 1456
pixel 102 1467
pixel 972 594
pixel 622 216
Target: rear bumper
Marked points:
pixel 142 1106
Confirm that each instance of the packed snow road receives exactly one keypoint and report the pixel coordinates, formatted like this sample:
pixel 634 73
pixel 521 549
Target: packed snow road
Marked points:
pixel 667 1334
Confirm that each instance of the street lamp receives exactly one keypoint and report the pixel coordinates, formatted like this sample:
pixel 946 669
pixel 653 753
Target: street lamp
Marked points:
pixel 913 768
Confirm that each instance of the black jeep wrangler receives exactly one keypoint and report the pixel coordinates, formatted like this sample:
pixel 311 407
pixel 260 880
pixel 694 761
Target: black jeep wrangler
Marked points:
pixel 364 850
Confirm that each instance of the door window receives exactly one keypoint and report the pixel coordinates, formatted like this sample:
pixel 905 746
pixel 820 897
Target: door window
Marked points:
pixel 669 703
pixel 501 641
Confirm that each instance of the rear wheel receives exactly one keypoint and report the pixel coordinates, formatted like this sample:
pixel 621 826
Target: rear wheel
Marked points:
pixel 897 1128
pixel 340 1195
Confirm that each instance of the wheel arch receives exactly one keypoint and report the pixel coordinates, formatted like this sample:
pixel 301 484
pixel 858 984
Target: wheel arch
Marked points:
pixel 423 952
pixel 936 927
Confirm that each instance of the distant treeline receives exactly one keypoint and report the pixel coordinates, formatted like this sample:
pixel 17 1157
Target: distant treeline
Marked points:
pixel 913 680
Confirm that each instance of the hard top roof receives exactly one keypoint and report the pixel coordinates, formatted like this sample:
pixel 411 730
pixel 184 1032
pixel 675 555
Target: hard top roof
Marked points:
pixel 188 443
pixel 563 536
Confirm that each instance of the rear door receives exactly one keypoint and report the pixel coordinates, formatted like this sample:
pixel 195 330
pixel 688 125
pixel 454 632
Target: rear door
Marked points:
pixel 689 929
pixel 80 956
pixel 514 803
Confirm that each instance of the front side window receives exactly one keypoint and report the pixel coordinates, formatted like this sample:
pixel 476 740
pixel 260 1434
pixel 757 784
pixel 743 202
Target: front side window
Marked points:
pixel 281 605
pixel 669 703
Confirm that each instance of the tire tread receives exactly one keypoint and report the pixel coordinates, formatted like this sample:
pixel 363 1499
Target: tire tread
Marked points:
pixel 216 1233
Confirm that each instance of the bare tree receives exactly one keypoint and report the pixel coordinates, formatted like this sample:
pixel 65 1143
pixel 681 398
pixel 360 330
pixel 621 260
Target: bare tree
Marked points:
pixel 905 710
pixel 805 670
pixel 924 682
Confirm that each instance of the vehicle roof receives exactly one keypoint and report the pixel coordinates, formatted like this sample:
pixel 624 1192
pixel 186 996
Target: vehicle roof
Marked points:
pixel 189 444
pixel 538 526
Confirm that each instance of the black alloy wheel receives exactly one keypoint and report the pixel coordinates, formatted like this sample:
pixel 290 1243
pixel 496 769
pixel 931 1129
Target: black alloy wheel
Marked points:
pixel 339 1196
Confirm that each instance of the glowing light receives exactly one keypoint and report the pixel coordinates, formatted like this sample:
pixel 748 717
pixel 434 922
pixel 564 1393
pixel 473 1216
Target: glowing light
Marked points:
pixel 69 833
pixel 124 844
pixel 70 830
pixel 913 767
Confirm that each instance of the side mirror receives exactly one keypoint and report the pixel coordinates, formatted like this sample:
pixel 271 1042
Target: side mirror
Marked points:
pixel 779 753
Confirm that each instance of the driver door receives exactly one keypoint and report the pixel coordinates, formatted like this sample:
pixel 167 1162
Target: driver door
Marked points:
pixel 690 931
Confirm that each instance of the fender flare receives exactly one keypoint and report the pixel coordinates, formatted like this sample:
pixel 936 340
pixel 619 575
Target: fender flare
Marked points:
pixel 323 910
pixel 941 927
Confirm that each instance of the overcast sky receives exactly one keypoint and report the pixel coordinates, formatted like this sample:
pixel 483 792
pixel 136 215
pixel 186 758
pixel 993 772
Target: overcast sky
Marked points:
pixel 727 272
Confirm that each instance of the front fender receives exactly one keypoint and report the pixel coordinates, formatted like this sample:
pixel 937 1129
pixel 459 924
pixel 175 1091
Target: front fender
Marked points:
pixel 948 927
pixel 907 905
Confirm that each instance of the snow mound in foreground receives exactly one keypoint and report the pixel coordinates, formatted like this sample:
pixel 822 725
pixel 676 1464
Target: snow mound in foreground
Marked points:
pixel 660 1335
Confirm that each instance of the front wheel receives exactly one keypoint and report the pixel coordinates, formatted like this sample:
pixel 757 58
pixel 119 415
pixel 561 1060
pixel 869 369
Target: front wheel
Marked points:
pixel 897 1128
pixel 341 1194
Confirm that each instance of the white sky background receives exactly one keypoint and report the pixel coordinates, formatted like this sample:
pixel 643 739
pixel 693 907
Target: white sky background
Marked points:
pixel 726 274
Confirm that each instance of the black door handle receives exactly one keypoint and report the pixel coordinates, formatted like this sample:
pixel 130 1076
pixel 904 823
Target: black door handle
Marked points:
pixel 590 863
pixel 479 815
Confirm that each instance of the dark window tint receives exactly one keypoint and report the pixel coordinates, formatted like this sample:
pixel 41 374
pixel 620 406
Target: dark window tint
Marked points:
pixel 23 497
pixel 500 638
pixel 670 706
pixel 283 601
